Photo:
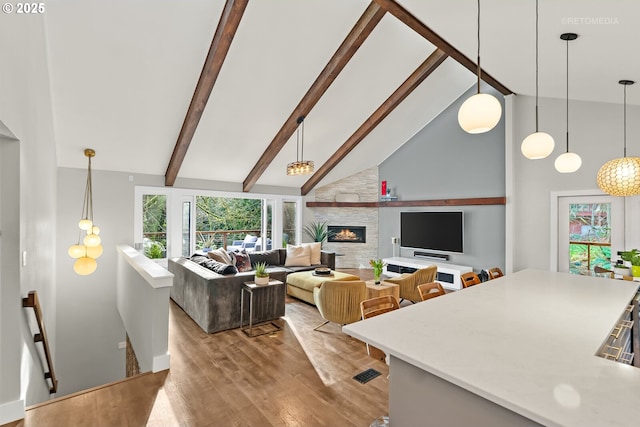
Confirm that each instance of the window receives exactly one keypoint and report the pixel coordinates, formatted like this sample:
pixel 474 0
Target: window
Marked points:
pixel 289 223
pixel 180 221
pixel 221 220
pixel 589 236
pixel 154 221
pixel 590 229
pixel 186 229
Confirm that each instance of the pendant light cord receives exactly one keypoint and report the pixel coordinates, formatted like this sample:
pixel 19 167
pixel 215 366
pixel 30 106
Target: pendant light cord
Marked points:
pixel 478 36
pixel 302 144
pixel 299 145
pixel 536 65
pixel 567 95
pixel 625 121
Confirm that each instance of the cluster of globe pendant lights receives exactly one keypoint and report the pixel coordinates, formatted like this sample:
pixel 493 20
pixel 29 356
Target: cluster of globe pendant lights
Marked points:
pixel 481 112
pixel 89 247
pixel 540 145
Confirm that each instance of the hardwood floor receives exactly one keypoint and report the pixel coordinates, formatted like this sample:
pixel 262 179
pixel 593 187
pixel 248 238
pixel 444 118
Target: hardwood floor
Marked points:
pixel 294 377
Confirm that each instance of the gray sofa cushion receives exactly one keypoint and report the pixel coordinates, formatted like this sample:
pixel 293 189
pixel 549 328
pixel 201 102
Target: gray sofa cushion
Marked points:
pixel 269 257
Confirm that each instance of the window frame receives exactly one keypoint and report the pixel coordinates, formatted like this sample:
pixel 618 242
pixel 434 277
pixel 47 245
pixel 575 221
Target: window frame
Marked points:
pixel 176 196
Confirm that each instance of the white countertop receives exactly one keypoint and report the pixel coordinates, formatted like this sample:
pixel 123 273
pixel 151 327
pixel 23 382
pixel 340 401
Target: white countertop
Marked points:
pixel 526 341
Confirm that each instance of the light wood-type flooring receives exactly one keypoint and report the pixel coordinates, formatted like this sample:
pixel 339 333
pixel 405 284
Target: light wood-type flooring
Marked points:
pixel 295 377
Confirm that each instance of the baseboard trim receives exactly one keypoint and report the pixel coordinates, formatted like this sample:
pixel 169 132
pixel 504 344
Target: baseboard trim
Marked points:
pixel 161 363
pixel 11 411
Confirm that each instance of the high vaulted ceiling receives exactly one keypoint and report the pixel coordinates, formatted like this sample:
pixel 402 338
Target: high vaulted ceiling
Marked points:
pixel 123 74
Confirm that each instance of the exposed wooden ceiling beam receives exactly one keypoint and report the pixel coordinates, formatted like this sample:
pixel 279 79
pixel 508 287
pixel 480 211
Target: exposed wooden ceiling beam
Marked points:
pixel 419 27
pixel 226 30
pixel 365 25
pixel 408 86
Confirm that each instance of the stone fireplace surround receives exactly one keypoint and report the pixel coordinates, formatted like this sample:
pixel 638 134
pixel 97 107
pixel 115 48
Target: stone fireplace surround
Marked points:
pixel 365 184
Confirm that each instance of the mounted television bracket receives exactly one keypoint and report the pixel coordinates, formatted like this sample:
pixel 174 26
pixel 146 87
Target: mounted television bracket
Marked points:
pixel 431 255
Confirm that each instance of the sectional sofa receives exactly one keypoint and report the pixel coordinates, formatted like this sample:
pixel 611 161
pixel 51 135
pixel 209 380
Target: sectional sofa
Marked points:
pixel 212 300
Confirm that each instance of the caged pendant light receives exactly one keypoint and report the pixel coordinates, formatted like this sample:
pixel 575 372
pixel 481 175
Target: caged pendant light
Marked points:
pixel 88 248
pixel 300 166
pixel 481 112
pixel 537 145
pixel 568 162
pixel 621 177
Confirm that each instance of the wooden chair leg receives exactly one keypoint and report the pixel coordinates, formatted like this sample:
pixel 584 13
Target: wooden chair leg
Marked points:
pixel 320 326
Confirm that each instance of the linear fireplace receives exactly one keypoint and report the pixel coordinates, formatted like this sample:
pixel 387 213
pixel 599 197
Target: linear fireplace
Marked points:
pixel 347 234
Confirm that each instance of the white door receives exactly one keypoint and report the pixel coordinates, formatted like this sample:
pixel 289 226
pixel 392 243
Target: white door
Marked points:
pixel 590 232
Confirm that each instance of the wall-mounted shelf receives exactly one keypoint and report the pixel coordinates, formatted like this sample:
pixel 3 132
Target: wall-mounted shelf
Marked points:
pixel 405 203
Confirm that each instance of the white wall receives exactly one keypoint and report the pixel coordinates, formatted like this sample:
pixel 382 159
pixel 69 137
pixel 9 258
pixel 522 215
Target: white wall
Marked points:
pixel 143 304
pixel 25 109
pixel 595 133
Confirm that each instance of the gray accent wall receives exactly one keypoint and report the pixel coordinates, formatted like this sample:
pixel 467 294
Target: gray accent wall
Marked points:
pixel 444 162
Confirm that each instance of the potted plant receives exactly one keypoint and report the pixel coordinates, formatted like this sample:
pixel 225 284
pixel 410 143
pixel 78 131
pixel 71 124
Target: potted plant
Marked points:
pixel 155 251
pixel 261 274
pixel 318 231
pixel 632 257
pixel 377 265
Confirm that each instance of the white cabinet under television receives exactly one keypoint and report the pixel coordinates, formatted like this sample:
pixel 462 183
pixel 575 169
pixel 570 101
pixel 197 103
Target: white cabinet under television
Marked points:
pixel 448 274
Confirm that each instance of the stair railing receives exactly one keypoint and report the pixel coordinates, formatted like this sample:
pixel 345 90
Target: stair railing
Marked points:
pixel 32 301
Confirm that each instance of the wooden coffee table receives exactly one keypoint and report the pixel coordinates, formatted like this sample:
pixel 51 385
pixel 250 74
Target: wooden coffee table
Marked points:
pixel 384 288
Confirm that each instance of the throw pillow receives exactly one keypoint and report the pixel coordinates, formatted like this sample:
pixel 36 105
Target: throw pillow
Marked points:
pixel 219 267
pixel 242 261
pixel 298 256
pixel 315 251
pixel 198 259
pixel 220 255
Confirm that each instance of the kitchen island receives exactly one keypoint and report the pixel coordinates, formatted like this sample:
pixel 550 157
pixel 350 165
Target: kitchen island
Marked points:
pixel 516 351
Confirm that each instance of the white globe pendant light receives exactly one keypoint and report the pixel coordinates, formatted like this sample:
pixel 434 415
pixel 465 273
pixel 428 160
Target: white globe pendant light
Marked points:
pixel 568 162
pixel 538 145
pixel 621 177
pixel 85 265
pixel 481 112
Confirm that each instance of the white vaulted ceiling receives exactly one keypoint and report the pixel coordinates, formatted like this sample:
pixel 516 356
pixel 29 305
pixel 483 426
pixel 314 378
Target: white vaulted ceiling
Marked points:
pixel 123 73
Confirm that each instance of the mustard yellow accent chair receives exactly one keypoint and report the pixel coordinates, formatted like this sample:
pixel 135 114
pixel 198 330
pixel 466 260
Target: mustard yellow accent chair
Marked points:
pixel 339 301
pixel 409 282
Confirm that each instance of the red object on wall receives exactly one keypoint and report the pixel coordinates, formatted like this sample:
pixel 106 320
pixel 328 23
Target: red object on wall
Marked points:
pixel 384 188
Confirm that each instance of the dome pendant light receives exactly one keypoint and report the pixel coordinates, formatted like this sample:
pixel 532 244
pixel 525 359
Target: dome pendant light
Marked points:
pixel 481 112
pixel 537 145
pixel 568 162
pixel 621 177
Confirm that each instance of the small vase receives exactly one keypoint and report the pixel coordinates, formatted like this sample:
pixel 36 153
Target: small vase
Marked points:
pixel 262 280
pixel 635 270
pixel 376 279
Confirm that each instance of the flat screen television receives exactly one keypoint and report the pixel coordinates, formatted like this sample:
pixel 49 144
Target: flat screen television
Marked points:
pixel 441 231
